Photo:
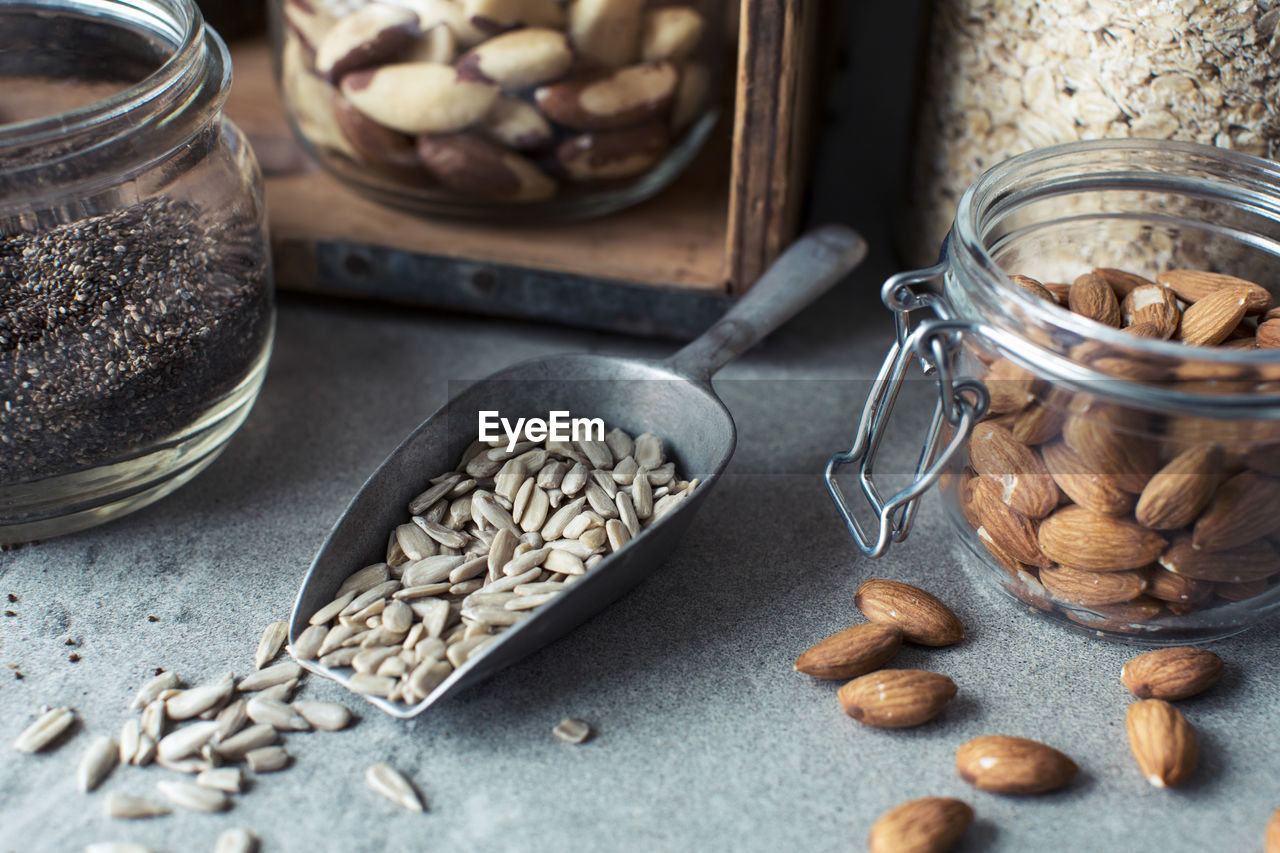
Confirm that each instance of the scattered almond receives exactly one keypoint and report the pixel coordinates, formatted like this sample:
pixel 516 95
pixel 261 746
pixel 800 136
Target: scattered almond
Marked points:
pixel 1170 674
pixel 854 651
pixel 922 618
pixel 896 698
pixel 926 825
pixel 1163 742
pixel 1013 765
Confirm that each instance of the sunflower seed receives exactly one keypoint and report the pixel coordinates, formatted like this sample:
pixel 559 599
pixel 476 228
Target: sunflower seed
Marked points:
pixel 227 779
pixel 324 716
pixel 617 533
pixel 535 515
pixel 392 667
pixel 424 501
pixel 434 614
pixel 574 479
pixel 267 759
pixel 555 497
pixel 529 602
pixel 231 719
pixel 186 741
pixel 507 584
pixel 397 618
pixel 148 692
pixel 117 847
pixel 466 587
pixel 309 642
pixel 494 514
pixel 254 737
pixel 388 782
pixel 660 475
pixel 98 760
pixel 273 637
pixel 627 514
pixel 369 659
pixel 271 676
pixel 597 453
pixel 565 450
pixel 600 501
pixel 604 479
pixel 237 840
pixel 507 482
pixel 279 692
pixel 428 675
pixel 276 714
pixel 441 534
pixel 415 543
pixel 521 502
pixel 129 807
pixel 189 795
pixel 129 734
pixel 665 505
pixel 538 588
pixel 370 684
pixel 341 657
pixel 336 638
pixel 146 750
pixel 45 730
pixel 551 475
pixel 642 494
pixel 582 523
pixel 333 608
pixel 459 512
pixel 191 703
pixel 395 555
pixel 431 648
pixel 194 764
pixel 554 528
pixel 620 444
pixel 565 563
pixel 572 730
pixel 430 570
pixel 427 591
pixel 365 579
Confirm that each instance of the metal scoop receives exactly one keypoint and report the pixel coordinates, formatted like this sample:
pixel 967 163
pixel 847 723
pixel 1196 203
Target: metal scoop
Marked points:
pixel 672 398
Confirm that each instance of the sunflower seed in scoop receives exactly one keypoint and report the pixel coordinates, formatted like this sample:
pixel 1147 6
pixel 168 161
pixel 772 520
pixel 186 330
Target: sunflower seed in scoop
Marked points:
pixel 98 760
pixel 572 730
pixel 227 779
pixel 371 685
pixel 375 594
pixel 148 692
pixel 267 759
pixel 397 617
pixel 45 730
pixel 254 737
pixel 129 807
pixel 343 656
pixel 365 579
pixel 187 740
pixel 191 796
pixel 424 501
pixel 559 520
pixel 273 637
pixel 564 563
pixel 237 840
pixel 276 714
pixel 528 602
pixel 309 642
pixel 324 716
pixel 431 570
pixel 388 782
pixel 271 676
pixel 333 608
pixel 195 701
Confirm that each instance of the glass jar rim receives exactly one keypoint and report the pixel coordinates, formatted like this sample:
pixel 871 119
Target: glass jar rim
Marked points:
pixel 194 78
pixel 1255 183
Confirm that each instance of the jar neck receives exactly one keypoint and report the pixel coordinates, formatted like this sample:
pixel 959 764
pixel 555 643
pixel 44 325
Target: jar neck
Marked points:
pixel 90 149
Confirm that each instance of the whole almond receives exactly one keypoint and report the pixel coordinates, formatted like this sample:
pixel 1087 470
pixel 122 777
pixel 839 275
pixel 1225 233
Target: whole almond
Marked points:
pixel 926 825
pixel 1075 586
pixel 1083 539
pixel 1268 335
pixel 1009 529
pixel 1092 297
pixel 1035 288
pixel 1253 561
pixel 854 651
pixel 1008 387
pixel 1152 304
pixel 1113 442
pixel 1177 589
pixel 921 617
pixel 1163 742
pixel 1025 484
pixel 1171 674
pixel 1121 281
pixel 1271 838
pixel 1211 320
pixel 1042 419
pixel 1240 591
pixel 1090 489
pixel 1126 618
pixel 1013 765
pixel 1243 508
pixel 896 698
pixel 1175 494
pixel 1194 285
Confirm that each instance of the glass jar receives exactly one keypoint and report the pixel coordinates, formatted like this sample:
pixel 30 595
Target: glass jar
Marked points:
pixel 1100 467
pixel 136 301
pixel 501 110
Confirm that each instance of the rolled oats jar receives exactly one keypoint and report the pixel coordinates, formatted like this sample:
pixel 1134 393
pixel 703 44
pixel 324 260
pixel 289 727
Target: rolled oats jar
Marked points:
pixel 1002 77
pixel 1101 339
pixel 136 303
pixel 504 110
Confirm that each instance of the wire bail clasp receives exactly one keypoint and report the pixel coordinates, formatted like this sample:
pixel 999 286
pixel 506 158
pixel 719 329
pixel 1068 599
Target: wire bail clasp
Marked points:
pixel 960 404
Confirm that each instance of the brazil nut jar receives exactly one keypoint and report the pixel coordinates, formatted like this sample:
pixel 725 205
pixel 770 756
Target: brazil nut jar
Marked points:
pixel 507 110
pixel 136 306
pixel 1101 337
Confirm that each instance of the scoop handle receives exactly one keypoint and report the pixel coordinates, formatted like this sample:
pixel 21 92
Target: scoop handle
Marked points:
pixel 805 271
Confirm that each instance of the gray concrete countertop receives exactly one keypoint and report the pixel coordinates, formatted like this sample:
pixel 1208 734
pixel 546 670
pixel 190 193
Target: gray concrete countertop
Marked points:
pixel 706 739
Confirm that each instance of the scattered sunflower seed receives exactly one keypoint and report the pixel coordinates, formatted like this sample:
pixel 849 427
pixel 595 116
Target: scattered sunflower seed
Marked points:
pixel 191 796
pixel 237 840
pixel 227 779
pixel 153 688
pixel 129 807
pixel 277 714
pixel 267 759
pixel 388 782
pixel 271 676
pixel 254 737
pixel 45 730
pixel 186 741
pixel 325 716
pixel 193 702
pixel 98 760
pixel 273 637
pixel 572 730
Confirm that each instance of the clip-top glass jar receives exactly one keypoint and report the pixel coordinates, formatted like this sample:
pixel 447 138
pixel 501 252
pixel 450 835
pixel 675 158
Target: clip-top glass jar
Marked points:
pixel 136 306
pixel 1108 446
pixel 501 110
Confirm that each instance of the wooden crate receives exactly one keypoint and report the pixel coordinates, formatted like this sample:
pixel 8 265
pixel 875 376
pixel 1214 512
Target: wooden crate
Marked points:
pixel 666 267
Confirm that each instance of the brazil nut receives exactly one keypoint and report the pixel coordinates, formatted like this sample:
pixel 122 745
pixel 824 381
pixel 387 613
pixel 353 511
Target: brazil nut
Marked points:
pixel 516 124
pixel 474 166
pixel 627 96
pixel 372 35
pixel 607 31
pixel 519 59
pixel 613 154
pixel 419 97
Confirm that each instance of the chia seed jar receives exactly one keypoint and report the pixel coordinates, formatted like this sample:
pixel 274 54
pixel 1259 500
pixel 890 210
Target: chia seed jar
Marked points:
pixel 1100 339
pixel 501 110
pixel 136 302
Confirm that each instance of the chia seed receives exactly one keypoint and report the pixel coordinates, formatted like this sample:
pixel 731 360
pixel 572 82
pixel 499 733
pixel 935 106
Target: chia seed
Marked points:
pixel 121 330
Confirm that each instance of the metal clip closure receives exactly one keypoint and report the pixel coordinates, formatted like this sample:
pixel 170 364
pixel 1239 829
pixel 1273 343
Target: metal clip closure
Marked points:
pixel 960 403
